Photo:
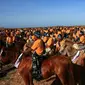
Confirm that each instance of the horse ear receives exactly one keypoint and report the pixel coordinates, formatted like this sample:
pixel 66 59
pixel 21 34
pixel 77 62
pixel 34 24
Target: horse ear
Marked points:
pixel 76 46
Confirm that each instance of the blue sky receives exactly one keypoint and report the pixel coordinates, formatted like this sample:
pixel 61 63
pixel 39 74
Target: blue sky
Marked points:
pixel 35 13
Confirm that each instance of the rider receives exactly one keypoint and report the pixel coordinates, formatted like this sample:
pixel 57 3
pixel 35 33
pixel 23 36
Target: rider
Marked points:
pixel 82 37
pixel 2 44
pixel 59 39
pixel 46 36
pixel 9 40
pixel 49 45
pixel 38 50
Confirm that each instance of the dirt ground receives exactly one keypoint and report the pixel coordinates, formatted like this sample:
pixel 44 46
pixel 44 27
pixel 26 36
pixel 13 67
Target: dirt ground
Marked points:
pixel 13 78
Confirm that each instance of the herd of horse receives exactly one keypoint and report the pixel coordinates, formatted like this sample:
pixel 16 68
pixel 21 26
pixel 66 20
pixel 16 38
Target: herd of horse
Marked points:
pixel 68 72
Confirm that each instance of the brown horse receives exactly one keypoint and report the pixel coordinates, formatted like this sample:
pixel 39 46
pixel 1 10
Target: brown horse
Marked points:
pixel 56 65
pixel 10 54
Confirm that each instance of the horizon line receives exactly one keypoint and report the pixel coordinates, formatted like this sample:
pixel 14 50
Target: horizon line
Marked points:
pixel 45 26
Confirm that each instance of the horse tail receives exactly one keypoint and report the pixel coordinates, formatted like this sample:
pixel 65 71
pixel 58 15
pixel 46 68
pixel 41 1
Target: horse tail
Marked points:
pixel 71 79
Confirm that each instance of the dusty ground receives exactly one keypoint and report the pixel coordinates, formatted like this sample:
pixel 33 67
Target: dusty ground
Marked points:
pixel 13 78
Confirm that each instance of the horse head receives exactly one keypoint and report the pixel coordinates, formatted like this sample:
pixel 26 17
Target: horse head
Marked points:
pixel 2 44
pixel 8 55
pixel 68 48
pixel 64 43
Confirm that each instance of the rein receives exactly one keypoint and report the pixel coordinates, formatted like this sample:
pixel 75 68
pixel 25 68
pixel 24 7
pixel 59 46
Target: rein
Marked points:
pixel 18 60
pixel 77 54
pixel 1 51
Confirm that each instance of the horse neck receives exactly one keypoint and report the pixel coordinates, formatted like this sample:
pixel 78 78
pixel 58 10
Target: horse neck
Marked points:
pixel 26 63
pixel 74 52
pixel 82 54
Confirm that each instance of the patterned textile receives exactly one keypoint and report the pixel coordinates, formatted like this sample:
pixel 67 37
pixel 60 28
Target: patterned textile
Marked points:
pixel 36 66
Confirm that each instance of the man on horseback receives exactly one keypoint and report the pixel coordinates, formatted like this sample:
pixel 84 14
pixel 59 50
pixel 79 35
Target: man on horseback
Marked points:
pixel 45 39
pixel 58 43
pixel 38 50
pixel 9 40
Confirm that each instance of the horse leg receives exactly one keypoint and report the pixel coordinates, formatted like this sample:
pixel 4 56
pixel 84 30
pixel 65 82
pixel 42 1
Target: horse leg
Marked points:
pixel 65 77
pixel 27 77
pixel 1 66
pixel 56 81
pixel 71 76
pixel 30 78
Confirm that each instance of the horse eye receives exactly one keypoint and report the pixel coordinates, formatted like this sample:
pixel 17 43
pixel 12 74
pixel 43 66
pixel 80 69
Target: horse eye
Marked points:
pixel 3 53
pixel 65 45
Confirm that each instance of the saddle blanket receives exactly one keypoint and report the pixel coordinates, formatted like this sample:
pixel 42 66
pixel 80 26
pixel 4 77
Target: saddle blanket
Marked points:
pixel 18 61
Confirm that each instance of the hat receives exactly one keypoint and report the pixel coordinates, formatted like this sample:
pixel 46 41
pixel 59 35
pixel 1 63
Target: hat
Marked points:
pixel 46 34
pixel 65 35
pixel 37 34
pixel 60 36
pixel 81 32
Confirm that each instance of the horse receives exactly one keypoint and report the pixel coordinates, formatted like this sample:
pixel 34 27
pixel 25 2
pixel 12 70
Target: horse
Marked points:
pixel 10 54
pixel 72 50
pixel 60 66
pixel 76 54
